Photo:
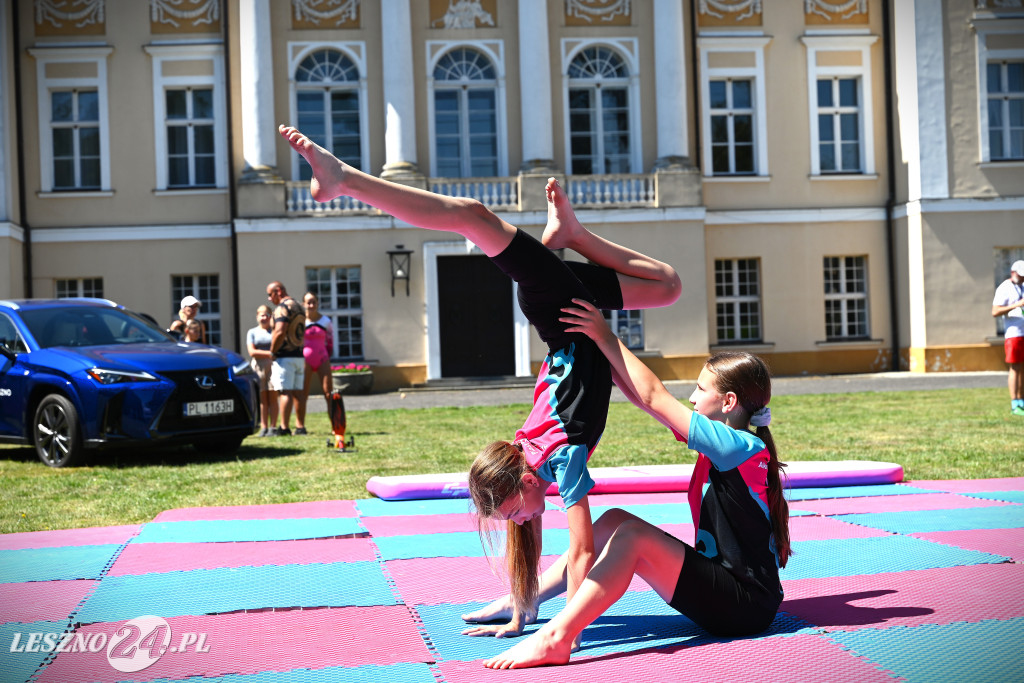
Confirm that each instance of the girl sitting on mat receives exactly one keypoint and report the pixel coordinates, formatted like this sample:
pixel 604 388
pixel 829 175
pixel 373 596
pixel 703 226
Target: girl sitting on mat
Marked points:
pixel 508 480
pixel 728 583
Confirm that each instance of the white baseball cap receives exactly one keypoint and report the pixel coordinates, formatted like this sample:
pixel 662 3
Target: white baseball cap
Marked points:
pixel 1017 267
pixel 192 301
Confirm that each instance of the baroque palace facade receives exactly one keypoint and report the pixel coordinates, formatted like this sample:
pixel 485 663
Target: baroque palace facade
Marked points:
pixel 840 183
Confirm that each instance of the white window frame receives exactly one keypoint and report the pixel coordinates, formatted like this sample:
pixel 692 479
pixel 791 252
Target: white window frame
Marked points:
pixel 616 319
pixel 327 307
pixel 844 297
pixel 495 51
pixel 734 300
pixel 985 55
pixel 354 50
pixel 214 54
pixel 842 43
pixel 629 50
pixel 739 44
pixel 44 57
pixel 79 287
pixel 205 315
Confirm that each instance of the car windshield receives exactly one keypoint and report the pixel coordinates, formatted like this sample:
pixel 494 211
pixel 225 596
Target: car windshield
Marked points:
pixel 89 326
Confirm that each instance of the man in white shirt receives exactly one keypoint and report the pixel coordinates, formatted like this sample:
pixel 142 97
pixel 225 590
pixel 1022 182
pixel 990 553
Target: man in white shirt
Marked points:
pixel 1009 301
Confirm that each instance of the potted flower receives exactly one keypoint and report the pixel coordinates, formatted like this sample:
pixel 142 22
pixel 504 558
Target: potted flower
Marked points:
pixel 352 378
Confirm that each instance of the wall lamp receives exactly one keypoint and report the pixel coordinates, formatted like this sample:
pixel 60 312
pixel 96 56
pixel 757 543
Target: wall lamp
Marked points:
pixel 400 259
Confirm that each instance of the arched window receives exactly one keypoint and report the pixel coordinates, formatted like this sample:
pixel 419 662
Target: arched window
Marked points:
pixel 465 115
pixel 327 106
pixel 599 112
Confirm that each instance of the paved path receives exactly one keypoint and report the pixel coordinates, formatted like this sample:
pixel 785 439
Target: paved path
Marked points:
pixel 781 386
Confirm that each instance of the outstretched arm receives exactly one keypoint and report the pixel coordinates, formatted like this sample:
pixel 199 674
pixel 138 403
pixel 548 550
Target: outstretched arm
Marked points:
pixel 641 386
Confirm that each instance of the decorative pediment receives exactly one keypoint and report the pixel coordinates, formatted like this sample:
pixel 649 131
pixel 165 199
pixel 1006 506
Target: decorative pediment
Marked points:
pixel 70 17
pixel 184 16
pixel 719 13
pixel 835 12
pixel 463 14
pixel 597 12
pixel 313 14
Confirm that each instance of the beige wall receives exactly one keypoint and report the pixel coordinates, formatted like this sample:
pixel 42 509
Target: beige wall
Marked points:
pixel 12 273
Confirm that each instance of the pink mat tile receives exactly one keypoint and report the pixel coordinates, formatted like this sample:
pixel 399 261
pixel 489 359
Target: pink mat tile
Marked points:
pixel 619 499
pixel 145 558
pixel 1005 542
pixel 795 658
pixel 41 600
pixel 99 535
pixel 913 598
pixel 316 509
pixel 823 528
pixel 248 643
pixel 971 485
pixel 684 532
pixel 921 501
pixel 438 580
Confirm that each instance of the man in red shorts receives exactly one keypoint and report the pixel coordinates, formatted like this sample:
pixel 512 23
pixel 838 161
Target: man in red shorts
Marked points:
pixel 1009 301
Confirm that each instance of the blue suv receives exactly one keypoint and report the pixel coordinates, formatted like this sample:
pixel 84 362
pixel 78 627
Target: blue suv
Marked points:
pixel 78 374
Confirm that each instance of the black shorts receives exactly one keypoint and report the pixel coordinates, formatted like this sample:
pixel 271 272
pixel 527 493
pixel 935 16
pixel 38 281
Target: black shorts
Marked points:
pixel 714 599
pixel 547 284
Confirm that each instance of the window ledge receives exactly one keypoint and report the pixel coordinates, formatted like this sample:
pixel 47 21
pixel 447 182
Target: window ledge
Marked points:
pixel 737 178
pixel 745 346
pixel 844 176
pixel 995 340
pixel 647 353
pixel 1009 163
pixel 86 194
pixel 178 192
pixel 849 343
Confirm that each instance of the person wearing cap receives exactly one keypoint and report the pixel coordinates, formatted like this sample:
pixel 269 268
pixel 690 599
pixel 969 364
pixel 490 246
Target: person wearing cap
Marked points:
pixel 1009 302
pixel 189 310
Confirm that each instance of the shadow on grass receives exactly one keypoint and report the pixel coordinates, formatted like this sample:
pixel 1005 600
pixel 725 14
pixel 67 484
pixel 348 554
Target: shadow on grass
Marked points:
pixel 149 455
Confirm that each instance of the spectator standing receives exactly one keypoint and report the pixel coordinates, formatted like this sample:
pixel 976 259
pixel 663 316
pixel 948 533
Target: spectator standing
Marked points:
pixel 1008 301
pixel 189 310
pixel 257 342
pixel 287 373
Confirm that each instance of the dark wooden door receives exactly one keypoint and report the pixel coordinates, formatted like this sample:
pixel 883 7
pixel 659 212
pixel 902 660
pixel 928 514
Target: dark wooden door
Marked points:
pixel 476 318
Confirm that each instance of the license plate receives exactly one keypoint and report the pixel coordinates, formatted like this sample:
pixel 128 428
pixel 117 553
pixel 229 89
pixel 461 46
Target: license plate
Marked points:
pixel 206 408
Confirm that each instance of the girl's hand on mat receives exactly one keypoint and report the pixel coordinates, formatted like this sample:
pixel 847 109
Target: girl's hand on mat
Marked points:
pixel 509 630
pixel 587 320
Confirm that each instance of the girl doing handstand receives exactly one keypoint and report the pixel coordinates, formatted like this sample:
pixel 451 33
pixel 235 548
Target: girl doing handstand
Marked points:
pixel 508 480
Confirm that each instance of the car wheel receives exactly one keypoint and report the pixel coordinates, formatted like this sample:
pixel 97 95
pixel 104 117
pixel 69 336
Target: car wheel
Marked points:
pixel 55 432
pixel 220 446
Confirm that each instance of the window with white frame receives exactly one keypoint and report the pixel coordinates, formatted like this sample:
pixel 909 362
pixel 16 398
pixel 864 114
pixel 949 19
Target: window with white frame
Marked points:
pixel 465 115
pixel 628 326
pixel 74 142
pixel 841 104
pixel 81 287
pixel 327 106
pixel 206 288
pixel 738 300
pixel 190 115
pixel 340 292
pixel 600 138
pixel 846 297
pixel 733 105
pixel 1004 89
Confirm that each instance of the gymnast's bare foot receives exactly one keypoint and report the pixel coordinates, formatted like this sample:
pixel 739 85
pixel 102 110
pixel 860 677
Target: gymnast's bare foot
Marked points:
pixel 539 649
pixel 499 610
pixel 562 230
pixel 328 171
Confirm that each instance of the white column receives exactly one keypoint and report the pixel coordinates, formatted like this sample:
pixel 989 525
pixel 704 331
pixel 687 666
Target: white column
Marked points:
pixel 535 86
pixel 670 82
pixel 6 160
pixel 256 86
pixel 399 89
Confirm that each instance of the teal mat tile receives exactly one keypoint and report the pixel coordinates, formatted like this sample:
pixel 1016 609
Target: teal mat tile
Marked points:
pixel 392 673
pixel 819 493
pixel 18 666
pixel 53 564
pixel 982 651
pixel 878 555
pixel 638 621
pixel 236 530
pixel 214 591
pixel 458 544
pixel 375 507
pixel 1008 496
pixel 655 513
pixel 924 521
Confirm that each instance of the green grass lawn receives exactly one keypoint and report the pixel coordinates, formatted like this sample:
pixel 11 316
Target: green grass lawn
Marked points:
pixel 946 434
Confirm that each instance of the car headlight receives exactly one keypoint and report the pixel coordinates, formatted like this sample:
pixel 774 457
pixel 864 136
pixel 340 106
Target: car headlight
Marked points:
pixel 105 376
pixel 242 368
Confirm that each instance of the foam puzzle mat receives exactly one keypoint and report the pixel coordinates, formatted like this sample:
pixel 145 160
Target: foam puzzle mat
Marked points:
pixel 917 581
